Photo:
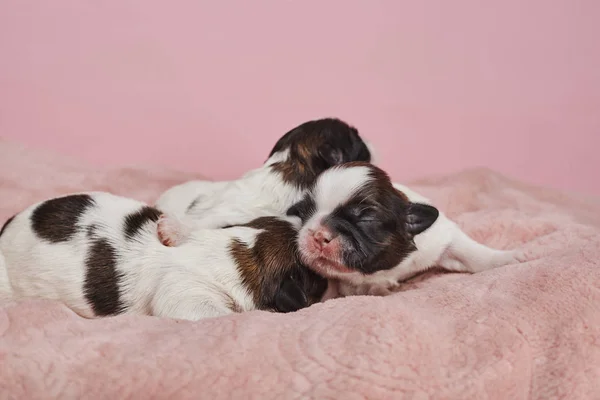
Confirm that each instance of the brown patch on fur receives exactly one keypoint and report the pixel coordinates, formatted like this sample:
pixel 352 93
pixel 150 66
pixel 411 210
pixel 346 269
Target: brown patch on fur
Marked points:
pixel 247 266
pixel 307 148
pixel 315 146
pixel 300 168
pixel 135 221
pixel 233 305
pixel 399 244
pixel 402 195
pixel 381 180
pixel 272 259
pixel 296 172
pixel 56 220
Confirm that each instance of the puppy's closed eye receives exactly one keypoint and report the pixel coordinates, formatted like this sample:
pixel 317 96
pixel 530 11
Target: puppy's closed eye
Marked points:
pixel 304 209
pixel 365 213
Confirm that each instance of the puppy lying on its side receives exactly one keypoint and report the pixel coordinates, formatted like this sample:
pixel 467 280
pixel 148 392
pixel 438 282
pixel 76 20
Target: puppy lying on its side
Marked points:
pixel 366 234
pixel 100 255
pixel 292 167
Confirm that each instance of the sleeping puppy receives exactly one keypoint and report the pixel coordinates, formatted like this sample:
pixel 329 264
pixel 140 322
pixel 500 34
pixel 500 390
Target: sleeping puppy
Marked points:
pixel 292 167
pixel 366 234
pixel 100 255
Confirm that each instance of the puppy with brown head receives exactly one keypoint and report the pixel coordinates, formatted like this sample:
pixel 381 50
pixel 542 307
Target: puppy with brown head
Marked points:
pixel 293 165
pixel 99 254
pixel 367 233
pixel 306 151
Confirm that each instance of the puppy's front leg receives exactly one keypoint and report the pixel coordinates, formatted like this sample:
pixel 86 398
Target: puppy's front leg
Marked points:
pixel 173 231
pixel 192 309
pixel 365 289
pixel 179 199
pixel 177 300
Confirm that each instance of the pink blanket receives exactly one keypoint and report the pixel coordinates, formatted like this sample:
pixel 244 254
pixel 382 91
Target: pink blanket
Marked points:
pixel 530 331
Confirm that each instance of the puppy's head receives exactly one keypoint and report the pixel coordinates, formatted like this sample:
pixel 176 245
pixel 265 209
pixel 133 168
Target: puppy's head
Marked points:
pixel 271 268
pixel 354 220
pixel 311 148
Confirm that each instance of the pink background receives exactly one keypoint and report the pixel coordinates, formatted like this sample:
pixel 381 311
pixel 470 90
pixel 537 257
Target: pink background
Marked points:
pixel 209 86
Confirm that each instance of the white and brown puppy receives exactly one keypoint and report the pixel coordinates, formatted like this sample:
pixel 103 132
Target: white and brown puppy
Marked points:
pixel 292 167
pixel 100 255
pixel 366 234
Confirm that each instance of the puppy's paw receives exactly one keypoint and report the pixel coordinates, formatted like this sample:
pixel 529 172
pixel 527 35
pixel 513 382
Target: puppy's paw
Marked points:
pixel 386 289
pixel 379 291
pixel 523 256
pixel 370 289
pixel 507 257
pixel 172 231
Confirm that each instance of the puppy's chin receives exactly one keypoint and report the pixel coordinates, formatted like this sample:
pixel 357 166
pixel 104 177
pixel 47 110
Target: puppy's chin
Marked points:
pixel 324 263
pixel 328 268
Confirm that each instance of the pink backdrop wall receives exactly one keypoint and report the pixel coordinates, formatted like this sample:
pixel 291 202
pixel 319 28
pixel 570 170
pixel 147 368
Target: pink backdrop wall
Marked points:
pixel 209 86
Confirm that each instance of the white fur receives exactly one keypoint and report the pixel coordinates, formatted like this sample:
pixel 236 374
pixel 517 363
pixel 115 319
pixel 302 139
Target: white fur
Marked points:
pixel 335 186
pixel 260 192
pixel 177 199
pixel 192 281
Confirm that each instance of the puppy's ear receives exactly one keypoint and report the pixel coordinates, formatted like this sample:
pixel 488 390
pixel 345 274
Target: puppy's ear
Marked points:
pixel 420 217
pixel 290 297
pixel 331 155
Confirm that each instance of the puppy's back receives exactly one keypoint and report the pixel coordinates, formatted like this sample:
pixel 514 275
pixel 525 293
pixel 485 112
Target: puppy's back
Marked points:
pixel 72 249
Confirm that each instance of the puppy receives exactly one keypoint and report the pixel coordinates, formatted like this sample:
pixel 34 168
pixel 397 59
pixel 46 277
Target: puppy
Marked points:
pixel 100 255
pixel 291 168
pixel 366 234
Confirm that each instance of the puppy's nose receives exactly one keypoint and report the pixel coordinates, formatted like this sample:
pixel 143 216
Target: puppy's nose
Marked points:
pixel 323 237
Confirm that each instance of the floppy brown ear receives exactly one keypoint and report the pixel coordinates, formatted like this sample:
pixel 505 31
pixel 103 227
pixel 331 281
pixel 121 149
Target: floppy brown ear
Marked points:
pixel 420 217
pixel 331 155
pixel 290 297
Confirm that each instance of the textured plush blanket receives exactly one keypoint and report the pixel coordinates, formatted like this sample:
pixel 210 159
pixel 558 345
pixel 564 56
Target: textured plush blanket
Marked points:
pixel 530 331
